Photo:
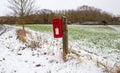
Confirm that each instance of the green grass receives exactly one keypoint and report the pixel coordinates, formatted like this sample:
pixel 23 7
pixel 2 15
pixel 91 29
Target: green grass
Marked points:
pixel 116 25
pixel 44 28
pixel 98 35
pixel 100 39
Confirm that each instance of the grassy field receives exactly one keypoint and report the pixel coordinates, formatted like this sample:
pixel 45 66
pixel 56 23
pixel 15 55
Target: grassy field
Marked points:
pixel 99 39
pixel 98 35
pixel 44 28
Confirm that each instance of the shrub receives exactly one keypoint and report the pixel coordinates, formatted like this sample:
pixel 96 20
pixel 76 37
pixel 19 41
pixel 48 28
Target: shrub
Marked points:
pixel 21 35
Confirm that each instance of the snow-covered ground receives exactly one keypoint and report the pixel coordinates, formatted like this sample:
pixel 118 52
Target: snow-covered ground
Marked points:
pixel 117 29
pixel 18 57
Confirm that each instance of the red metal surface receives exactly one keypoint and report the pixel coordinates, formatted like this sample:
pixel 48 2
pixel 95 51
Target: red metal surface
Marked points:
pixel 57 28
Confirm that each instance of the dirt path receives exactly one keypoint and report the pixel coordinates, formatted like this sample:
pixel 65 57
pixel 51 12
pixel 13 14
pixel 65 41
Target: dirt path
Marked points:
pixel 5 28
pixel 2 29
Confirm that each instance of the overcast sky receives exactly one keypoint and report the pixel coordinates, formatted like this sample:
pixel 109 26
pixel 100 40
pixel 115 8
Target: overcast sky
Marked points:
pixel 111 6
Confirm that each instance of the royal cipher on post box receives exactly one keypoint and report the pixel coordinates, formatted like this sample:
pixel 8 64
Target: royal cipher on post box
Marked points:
pixel 57 28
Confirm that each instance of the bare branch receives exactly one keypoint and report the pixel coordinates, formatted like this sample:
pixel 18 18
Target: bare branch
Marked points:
pixel 22 7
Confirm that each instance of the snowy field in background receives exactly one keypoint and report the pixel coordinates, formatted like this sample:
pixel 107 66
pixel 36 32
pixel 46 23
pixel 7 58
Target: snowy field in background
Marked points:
pixel 16 57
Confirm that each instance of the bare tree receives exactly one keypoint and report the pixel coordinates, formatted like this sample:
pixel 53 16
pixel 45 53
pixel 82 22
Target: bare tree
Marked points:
pixel 22 8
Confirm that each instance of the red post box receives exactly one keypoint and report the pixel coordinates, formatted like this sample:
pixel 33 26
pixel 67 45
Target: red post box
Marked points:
pixel 57 28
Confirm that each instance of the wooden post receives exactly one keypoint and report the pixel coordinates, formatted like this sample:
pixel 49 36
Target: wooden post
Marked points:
pixel 65 38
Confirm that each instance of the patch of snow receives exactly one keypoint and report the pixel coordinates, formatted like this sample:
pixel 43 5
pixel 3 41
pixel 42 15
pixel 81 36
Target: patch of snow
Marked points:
pixel 116 28
pixel 16 57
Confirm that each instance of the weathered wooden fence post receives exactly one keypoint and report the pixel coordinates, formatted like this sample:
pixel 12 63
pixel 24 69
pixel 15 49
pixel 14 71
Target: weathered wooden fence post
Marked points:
pixel 65 37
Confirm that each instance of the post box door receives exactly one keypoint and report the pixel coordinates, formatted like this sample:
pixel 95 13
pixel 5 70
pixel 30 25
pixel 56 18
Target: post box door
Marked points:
pixel 57 28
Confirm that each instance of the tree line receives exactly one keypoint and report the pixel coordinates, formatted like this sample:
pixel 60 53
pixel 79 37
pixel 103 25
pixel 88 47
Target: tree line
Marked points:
pixel 45 16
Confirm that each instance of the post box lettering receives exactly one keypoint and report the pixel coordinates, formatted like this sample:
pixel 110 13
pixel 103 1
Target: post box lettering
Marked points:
pixel 56 22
